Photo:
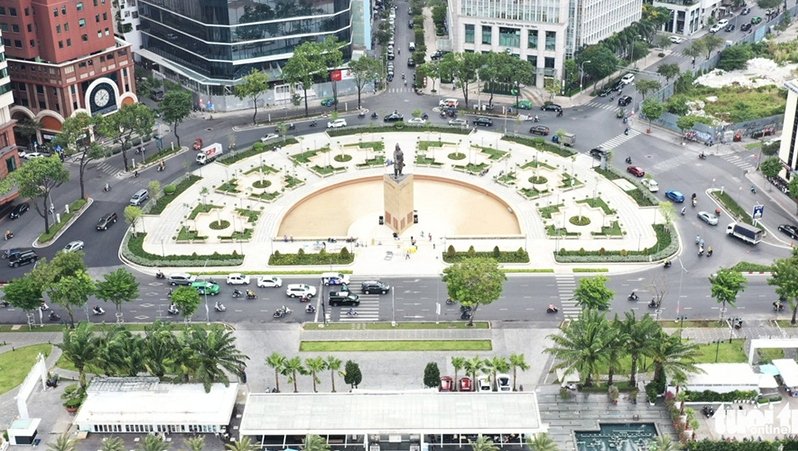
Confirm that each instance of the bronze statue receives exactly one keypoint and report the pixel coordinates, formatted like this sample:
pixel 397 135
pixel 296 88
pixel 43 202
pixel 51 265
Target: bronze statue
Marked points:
pixel 398 161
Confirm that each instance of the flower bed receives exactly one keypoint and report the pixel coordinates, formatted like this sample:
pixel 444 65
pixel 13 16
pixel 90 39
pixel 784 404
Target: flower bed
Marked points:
pixel 518 256
pixel 344 257
pixel 133 250
pixel 664 247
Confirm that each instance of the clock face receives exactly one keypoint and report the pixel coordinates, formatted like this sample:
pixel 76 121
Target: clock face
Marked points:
pixel 101 98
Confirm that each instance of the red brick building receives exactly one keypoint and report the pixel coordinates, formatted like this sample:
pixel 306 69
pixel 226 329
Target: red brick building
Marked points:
pixel 63 58
pixel 9 157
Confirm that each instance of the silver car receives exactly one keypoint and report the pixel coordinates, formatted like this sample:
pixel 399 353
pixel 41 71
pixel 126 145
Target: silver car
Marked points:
pixel 708 217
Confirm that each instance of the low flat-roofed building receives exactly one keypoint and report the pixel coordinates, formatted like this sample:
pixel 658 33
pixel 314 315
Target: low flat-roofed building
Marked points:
pixel 788 371
pixel 723 378
pixel 370 418
pixel 143 404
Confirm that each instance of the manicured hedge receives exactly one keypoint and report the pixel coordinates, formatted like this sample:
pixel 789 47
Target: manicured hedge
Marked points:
pixel 641 195
pixel 399 127
pixel 752 267
pixel 540 144
pixel 711 396
pixel 170 193
pixel 665 247
pixel 254 150
pixel 344 257
pixel 133 250
pixel 518 256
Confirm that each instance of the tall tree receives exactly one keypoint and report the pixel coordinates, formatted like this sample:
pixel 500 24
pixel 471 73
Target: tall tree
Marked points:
pixel 293 368
pixel 153 443
pixel 710 43
pixel 474 282
pixel 541 442
pixel 432 375
pixel 431 69
pixel 29 130
pixel 132 120
pixel 277 363
pixel 197 443
pixel 76 140
pixel 334 365
pixel 253 86
pixel 314 366
pixel 214 355
pixel 365 69
pixel 118 287
pixel 673 356
pixel 669 71
pixel 71 292
pixel 652 110
pixel 726 285
pixel 329 51
pixel 175 107
pixel 614 349
pixel 187 300
pixel 694 50
pixel 646 86
pixel 24 293
pixel 114 444
pixel 462 68
pixel 580 346
pixel 352 374
pixel 458 363
pixel 517 362
pixel 637 334
pixel 473 366
pixel 37 179
pixel 301 68
pixel 593 293
pixel 132 215
pixel 158 348
pixel 80 347
pixel 120 352
pixel 771 168
pixel 783 276
pixel 245 444
pixel 495 365
pixel 315 443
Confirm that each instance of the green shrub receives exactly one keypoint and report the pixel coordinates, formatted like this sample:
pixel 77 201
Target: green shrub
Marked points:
pixel 664 247
pixel 540 144
pixel 496 252
pixel 344 253
pixel 450 252
pixel 384 129
pixel 518 256
pixel 133 250
pixel 74 207
pixel 256 149
pixel 322 258
pixel 171 192
pixel 169 189
pixel 711 396
pixel 471 251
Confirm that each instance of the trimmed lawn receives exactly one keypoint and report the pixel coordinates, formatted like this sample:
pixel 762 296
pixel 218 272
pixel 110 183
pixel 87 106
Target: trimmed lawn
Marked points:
pixel 74 207
pixel 728 353
pixel 768 355
pixel 405 326
pixel 16 364
pixel 400 345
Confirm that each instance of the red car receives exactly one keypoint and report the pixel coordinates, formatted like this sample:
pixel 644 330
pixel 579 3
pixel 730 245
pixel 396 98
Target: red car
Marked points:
pixel 636 171
pixel 447 384
pixel 465 384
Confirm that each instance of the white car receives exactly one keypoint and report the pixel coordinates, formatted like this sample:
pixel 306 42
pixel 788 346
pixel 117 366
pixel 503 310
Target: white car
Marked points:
pixel 676 39
pixel 417 121
pixel 269 137
pixel 32 155
pixel 73 246
pixel 338 123
pixel 237 279
pixel 651 184
pixel 458 123
pixel 298 290
pixel 628 78
pixel 723 22
pixel 269 282
pixel 483 384
pixel 715 28
pixel 503 382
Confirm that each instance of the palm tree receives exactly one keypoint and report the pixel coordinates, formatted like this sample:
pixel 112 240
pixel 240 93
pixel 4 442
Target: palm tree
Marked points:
pixel 245 444
pixel 664 443
pixel 196 443
pixel 473 366
pixel 80 347
pixel 483 443
pixel 615 348
pixel 120 353
pixel 315 443
pixel 158 348
pixel 334 365
pixel 672 356
pixel 678 381
pixel 580 347
pixel 153 443
pixel 292 368
pixel 277 362
pixel 638 339
pixel 315 366
pixel 62 443
pixel 113 444
pixel 541 442
pixel 496 364
pixel 213 355
pixel 517 362
pixel 458 363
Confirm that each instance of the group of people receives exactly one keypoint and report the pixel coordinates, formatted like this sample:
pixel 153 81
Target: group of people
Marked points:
pixel 700 243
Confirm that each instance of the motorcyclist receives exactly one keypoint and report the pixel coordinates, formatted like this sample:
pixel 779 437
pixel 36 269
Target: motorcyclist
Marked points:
pixel 633 296
pixel 250 294
pixel 219 306
pixel 98 310
pixel 684 211
pixel 310 308
pixel 552 308
pixel 173 309
pixel 236 292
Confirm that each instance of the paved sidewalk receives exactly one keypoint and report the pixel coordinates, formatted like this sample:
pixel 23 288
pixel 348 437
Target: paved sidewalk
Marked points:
pixel 396 334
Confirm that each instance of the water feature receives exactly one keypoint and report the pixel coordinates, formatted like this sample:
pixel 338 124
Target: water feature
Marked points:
pixel 617 437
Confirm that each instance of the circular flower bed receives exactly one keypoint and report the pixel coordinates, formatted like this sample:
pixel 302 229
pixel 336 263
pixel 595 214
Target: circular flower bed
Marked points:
pixel 342 158
pixel 219 225
pixel 457 156
pixel 261 184
pixel 538 180
pixel 579 220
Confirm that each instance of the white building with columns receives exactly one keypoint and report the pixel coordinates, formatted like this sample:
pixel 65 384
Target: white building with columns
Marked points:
pixel 689 16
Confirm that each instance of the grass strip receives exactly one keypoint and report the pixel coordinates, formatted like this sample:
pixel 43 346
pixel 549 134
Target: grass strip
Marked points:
pixel 171 192
pixel 74 207
pixel 590 270
pixel 540 144
pixel 395 345
pixel 399 326
pixel 526 270
pixel 732 206
pixel 751 267
pixel 17 363
pixel 256 149
pixel 133 250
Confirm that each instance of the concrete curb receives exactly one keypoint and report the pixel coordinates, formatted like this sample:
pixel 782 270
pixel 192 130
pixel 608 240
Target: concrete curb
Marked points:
pixel 80 212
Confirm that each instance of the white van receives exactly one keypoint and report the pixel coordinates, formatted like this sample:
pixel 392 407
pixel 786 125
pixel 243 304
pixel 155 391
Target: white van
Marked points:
pixel 448 103
pixel 139 197
pixel 334 278
pixel 412 46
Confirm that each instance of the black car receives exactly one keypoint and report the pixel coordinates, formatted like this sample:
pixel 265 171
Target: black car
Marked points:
pixel 484 121
pixel 618 86
pixel 789 230
pixel 411 63
pixel 746 11
pixel 745 27
pixel 19 210
pixel 23 258
pixel 729 27
pixel 344 298
pixel 605 92
pixel 13 252
pixel 106 221
pixel 374 287
pixel 548 106
pixel 393 117
pixel 541 130
pixel 597 152
pixel 624 100
pixel 410 24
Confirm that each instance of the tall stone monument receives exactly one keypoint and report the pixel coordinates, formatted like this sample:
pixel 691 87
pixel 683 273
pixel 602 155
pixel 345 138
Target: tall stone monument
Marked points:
pixel 398 195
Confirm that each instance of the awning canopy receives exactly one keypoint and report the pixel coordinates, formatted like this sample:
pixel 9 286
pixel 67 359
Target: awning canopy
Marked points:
pixel 788 370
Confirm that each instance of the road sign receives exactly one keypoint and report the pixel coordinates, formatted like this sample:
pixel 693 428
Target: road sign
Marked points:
pixel 759 210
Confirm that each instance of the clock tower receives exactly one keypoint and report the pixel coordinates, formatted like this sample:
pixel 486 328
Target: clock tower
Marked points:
pixel 101 97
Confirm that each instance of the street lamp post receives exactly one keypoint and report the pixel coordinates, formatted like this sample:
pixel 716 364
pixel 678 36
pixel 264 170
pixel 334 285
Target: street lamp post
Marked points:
pixel 582 73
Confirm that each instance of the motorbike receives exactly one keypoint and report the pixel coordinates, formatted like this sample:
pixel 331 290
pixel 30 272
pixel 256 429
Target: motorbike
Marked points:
pixel 4 304
pixel 425 116
pixel 536 119
pixel 237 293
pixel 449 301
pixel 291 126
pixel 312 123
pixel 172 310
pixel 778 306
pixel 694 202
pixel 374 115
pixel 626 131
pixel 709 252
pixel 310 308
pixel 700 251
pixel 160 275
pixel 753 189
pixel 684 211
pixel 107 188
pixel 737 323
pixel 361 115
pixel 281 312
pixel 628 160
pixel 98 311
pixel 668 263
pixel 54 317
pixel 8 235
pixel 304 299
pixel 653 304
pixel 633 297
pixel 552 309
pixel 219 307
pixel 251 294
pixel 559 113
pixel 702 156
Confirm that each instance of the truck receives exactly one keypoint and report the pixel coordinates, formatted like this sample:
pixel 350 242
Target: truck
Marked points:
pixel 568 139
pixel 208 154
pixel 197 144
pixel 745 232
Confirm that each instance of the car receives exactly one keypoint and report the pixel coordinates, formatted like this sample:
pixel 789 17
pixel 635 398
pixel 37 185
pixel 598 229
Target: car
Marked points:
pixel 295 290
pixel 483 384
pixel 636 171
pixel 483 121
pixel 391 56
pixel 624 100
pixel 606 91
pixel 503 382
pixel 410 24
pixel 22 258
pixel 269 282
pixel 715 28
pixel 789 230
pixel 237 279
pixel 723 22
pixel 338 123
pixel 106 220
pixel 374 287
pixel 73 246
pixel 675 196
pixel 389 77
pixel 139 197
pixel 19 210
pixel 708 217
pixel 598 152
pixel 755 20
pixel 13 252
pixel 417 121
pixel 181 278
pixel 628 78
pixel 729 28
pixel 746 11
pixel 549 106
pixel 651 184
pixel 676 39
pixel 204 287
pixel 337 298
pixel 411 62
pixel 465 384
pixel 541 130
pixel 745 27
pixel 524 104
pixel 32 155
pixel 269 137
pixel 458 123
pixel 329 101
pixel 447 384
pixel 618 87
pixel 393 117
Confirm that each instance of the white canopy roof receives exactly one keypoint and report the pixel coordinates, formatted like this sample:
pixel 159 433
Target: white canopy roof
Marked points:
pixel 733 376
pixel 788 370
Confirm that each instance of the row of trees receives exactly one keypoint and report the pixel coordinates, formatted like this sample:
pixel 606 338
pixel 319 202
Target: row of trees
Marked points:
pixel 478 366
pixel 294 367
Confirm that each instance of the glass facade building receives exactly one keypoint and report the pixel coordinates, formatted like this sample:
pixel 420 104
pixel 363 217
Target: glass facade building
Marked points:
pixel 223 40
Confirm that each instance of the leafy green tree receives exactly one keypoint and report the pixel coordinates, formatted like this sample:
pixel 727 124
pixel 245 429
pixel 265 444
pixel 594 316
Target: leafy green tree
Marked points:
pixel 580 346
pixel 118 287
pixel 153 443
pixel 36 179
pixel 726 285
pixel 365 69
pixel 667 210
pixel 711 42
pixel 329 51
pixel 768 4
pixel 541 442
pixel 197 443
pixel 245 444
pixel 154 186
pixel 695 49
pixel 113 444
pixel 157 348
pixel 213 355
pixel 593 293
pixel 24 293
pixel 602 61
pixel 293 368
pixel 771 168
pixel 300 69
pixel 663 42
pixel 132 214
pixel 352 375
pixel 458 363
pixel 187 300
pixel 137 119
pixel 432 375
pixel 647 86
pixel 28 129
pixel 252 87
pixel 62 443
pixel 520 72
pixel 462 68
pixel 552 86
pixel 615 349
pixel 474 282
pixel 76 140
pixel 80 347
pixel 315 443
pixel 673 356
pixel 430 69
pixel 314 366
pixel 637 334
pixel 517 362
pixel 792 189
pixel 277 363
pixel 686 122
pixel 120 353
pixel 735 57
pixel 71 292
pixel 496 364
pixel 473 366
pixel 652 109
pixel 483 443
pixel 175 108
pixel 333 364
pixel 668 70
pixel 783 276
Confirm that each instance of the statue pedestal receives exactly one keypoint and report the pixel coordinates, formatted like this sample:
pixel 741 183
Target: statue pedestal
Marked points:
pixel 398 195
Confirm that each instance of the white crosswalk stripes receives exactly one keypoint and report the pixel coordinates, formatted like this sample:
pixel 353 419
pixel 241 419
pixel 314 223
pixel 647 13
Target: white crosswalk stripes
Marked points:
pixel 402 89
pixel 603 104
pixel 620 139
pixel 740 162
pixel 566 284
pixel 107 168
pixel 368 310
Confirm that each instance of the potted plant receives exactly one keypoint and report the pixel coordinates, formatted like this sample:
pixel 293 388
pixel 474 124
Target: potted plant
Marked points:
pixel 633 394
pixel 73 397
pixel 613 393
pixel 651 393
